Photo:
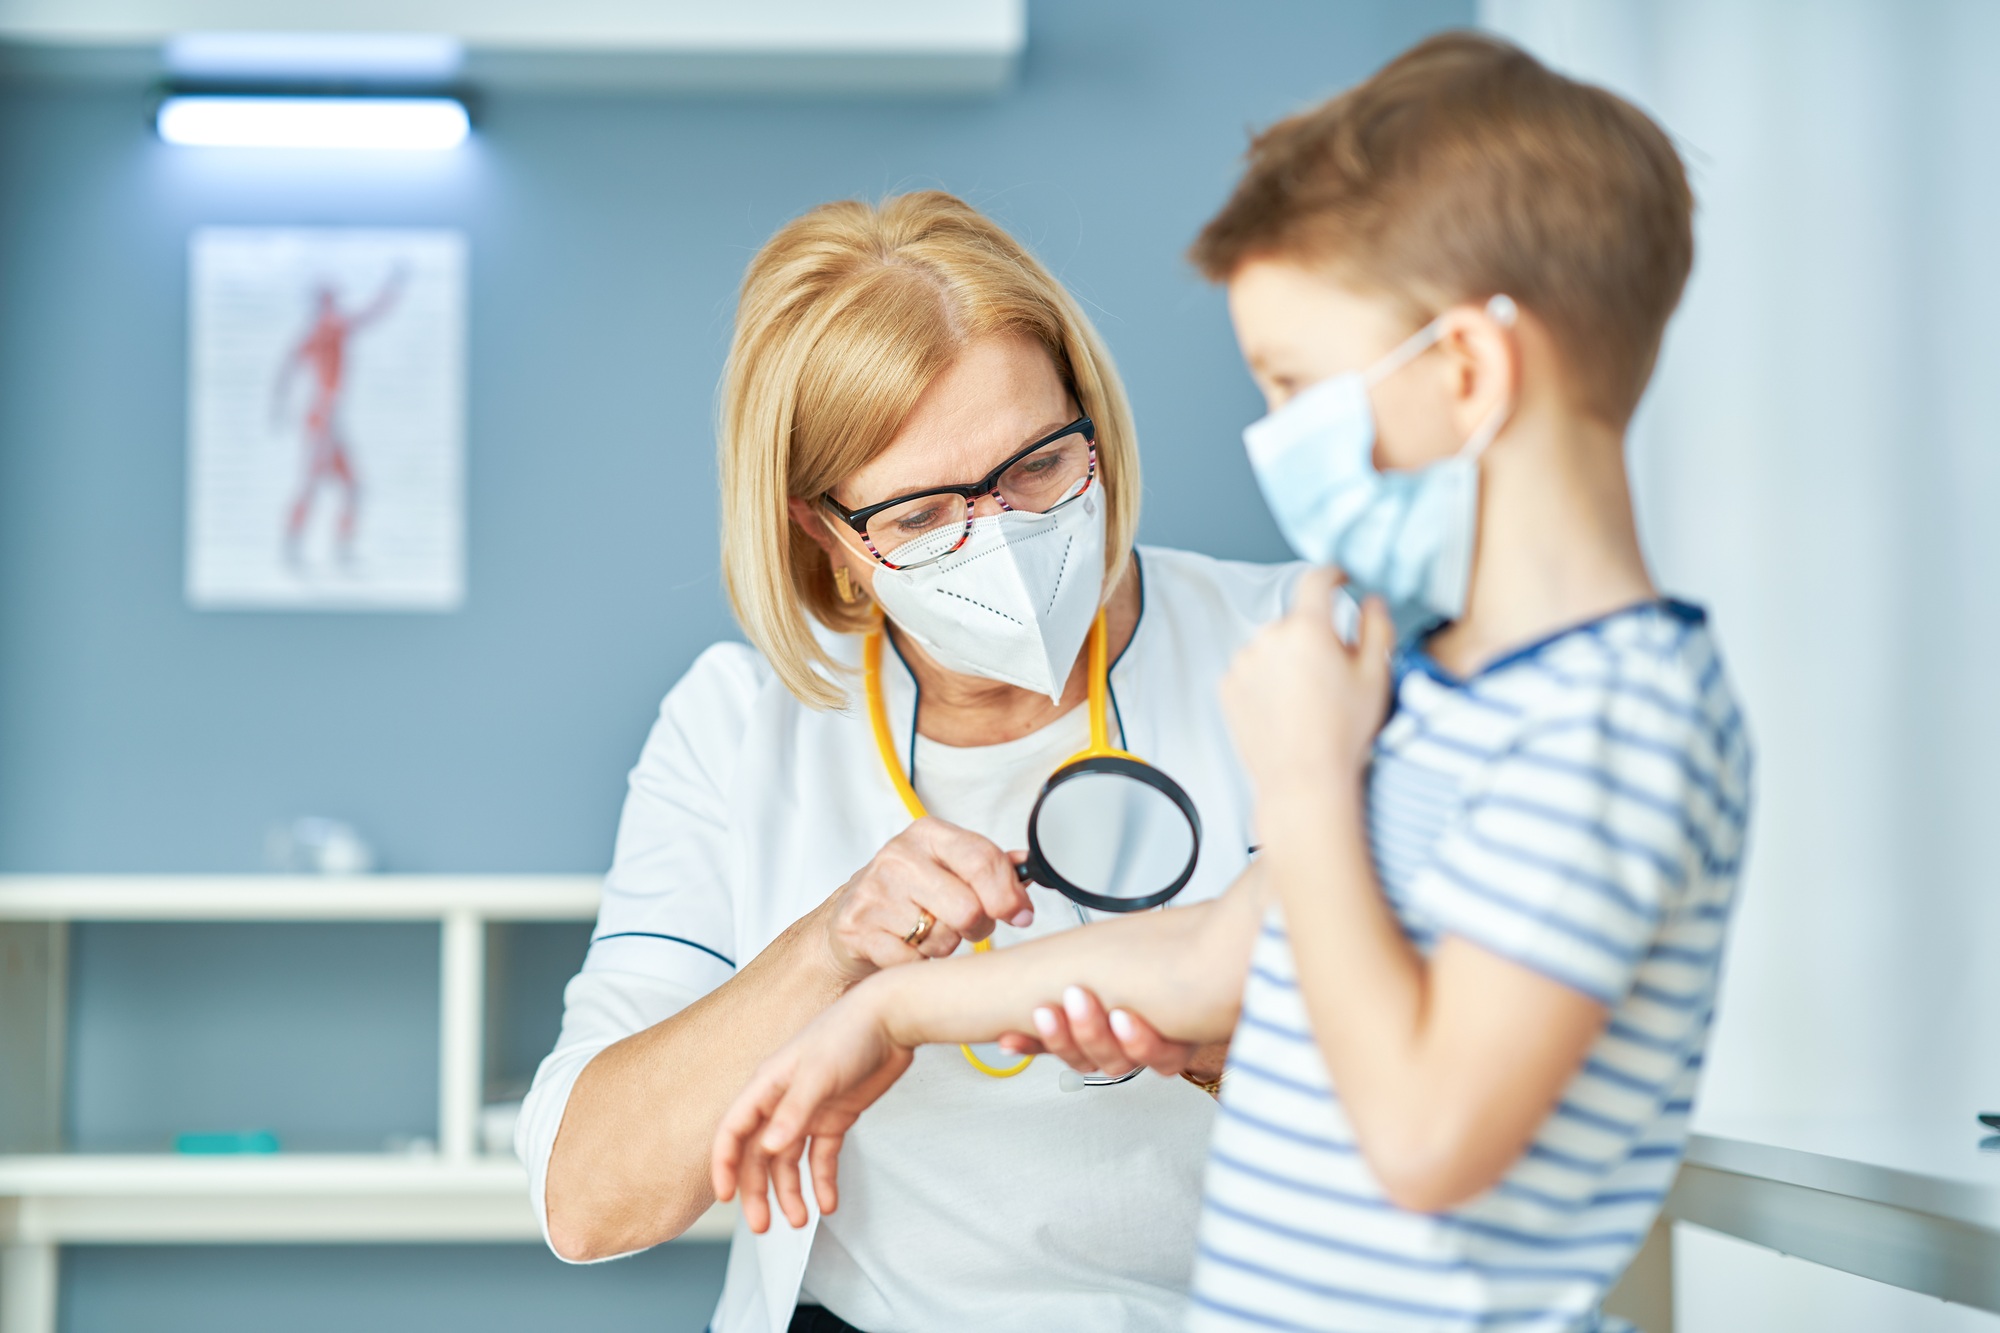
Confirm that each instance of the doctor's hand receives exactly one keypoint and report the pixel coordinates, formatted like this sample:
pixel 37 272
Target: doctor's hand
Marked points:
pixel 813 1088
pixel 1092 1041
pixel 931 886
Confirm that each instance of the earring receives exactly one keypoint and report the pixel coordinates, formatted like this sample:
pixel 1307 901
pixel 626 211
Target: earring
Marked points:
pixel 844 585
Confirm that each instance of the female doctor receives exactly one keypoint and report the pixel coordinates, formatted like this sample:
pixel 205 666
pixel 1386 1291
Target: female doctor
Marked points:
pixel 930 489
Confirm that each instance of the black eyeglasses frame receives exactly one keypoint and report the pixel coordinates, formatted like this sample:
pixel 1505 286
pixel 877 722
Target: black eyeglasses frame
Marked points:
pixel 987 485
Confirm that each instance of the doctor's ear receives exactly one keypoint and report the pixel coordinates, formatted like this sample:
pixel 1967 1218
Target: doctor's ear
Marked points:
pixel 812 520
pixel 1481 352
pixel 853 579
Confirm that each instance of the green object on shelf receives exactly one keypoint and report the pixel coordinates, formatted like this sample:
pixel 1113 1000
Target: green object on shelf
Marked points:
pixel 257 1141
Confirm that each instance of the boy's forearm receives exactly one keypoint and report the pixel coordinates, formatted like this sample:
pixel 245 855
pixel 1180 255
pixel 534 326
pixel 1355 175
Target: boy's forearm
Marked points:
pixel 1362 982
pixel 1181 969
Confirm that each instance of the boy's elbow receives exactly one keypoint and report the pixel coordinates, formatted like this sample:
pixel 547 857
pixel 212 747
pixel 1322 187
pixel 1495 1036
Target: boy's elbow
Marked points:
pixel 1432 1170
pixel 1428 1191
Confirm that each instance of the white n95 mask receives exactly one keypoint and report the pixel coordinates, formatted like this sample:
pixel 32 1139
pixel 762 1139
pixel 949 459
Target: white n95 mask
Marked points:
pixel 1403 536
pixel 1015 602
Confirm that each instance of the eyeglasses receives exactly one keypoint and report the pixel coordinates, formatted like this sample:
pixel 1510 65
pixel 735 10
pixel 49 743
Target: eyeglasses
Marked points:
pixel 928 525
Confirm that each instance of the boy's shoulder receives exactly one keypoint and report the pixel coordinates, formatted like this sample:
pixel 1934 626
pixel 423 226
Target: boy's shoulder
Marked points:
pixel 1660 654
pixel 1609 757
pixel 1622 695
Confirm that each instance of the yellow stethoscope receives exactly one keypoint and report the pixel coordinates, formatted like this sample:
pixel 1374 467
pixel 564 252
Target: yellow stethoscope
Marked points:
pixel 885 742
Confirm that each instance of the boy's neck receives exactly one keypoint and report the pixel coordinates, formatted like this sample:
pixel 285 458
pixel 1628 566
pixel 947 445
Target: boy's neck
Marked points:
pixel 1556 544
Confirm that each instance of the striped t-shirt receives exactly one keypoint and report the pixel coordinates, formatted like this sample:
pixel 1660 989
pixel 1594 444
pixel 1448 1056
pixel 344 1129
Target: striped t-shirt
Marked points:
pixel 1577 807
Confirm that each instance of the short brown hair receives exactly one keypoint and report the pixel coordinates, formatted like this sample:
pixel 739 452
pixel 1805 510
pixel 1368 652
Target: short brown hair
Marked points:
pixel 847 316
pixel 1465 168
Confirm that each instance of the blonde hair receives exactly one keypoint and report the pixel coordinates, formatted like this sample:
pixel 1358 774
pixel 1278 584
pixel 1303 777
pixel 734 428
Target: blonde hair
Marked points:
pixel 1463 168
pixel 846 317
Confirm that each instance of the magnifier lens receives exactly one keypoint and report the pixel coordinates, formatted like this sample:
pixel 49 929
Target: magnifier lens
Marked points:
pixel 1115 836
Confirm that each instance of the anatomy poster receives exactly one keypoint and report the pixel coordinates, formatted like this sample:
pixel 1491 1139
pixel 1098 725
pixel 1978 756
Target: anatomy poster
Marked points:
pixel 326 419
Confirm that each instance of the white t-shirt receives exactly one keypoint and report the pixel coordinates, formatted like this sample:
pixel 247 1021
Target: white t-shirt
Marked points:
pixel 968 1202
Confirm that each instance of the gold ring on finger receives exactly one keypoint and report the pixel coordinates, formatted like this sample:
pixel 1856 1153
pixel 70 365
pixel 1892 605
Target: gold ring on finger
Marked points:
pixel 920 932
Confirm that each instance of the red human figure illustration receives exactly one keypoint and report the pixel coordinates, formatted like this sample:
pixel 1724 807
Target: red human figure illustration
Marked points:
pixel 323 352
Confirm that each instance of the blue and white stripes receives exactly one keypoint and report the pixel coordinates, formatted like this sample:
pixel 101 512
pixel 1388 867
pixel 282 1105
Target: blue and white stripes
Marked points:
pixel 1578 808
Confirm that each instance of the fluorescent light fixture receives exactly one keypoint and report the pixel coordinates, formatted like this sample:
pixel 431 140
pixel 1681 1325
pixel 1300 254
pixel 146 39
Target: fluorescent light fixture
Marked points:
pixel 221 120
pixel 408 58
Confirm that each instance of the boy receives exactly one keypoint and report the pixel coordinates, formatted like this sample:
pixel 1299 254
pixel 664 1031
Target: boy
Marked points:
pixel 1496 870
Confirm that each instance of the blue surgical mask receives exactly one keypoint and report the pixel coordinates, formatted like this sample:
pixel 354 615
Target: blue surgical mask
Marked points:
pixel 1403 536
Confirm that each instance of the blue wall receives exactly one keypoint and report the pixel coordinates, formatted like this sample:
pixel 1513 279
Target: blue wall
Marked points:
pixel 607 237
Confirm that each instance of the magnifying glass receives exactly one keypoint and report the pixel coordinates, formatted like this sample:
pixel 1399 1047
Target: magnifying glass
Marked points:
pixel 1112 834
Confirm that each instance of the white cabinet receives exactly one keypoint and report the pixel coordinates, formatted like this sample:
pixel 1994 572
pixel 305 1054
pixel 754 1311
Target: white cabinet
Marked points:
pixel 50 1198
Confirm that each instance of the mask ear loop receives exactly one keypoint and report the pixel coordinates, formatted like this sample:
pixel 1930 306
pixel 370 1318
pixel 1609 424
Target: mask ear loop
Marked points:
pixel 1501 309
pixel 1402 354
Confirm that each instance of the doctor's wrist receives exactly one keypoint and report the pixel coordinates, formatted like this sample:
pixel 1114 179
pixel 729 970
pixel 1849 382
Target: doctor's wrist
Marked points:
pixel 815 951
pixel 1205 1065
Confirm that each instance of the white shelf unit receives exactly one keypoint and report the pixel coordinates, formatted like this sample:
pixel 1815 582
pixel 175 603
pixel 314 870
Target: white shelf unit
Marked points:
pixel 51 1199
